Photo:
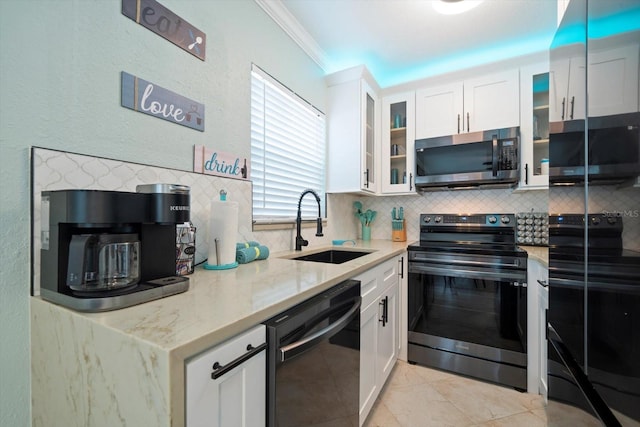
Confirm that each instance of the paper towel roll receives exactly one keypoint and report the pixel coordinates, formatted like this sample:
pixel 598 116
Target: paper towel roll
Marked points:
pixel 223 225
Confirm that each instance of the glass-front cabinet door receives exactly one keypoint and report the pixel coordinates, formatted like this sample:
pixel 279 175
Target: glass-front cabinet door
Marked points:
pixel 534 126
pixel 398 137
pixel 369 143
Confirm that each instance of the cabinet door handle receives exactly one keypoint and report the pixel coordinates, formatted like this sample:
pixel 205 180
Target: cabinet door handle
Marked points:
pixel 219 370
pixel 401 261
pixel 467 121
pixel 385 311
pixel 563 107
pixel 526 173
pixel 366 178
pixel 458 123
pixel 543 283
pixel 494 160
pixel 410 181
pixel 573 99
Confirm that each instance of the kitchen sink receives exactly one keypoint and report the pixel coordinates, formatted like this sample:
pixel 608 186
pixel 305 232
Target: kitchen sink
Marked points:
pixel 331 256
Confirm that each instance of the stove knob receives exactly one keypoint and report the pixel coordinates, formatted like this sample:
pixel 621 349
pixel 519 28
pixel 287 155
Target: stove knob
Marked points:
pixel 595 220
pixel 438 219
pixel 612 219
pixel 427 219
pixel 493 219
pixel 505 220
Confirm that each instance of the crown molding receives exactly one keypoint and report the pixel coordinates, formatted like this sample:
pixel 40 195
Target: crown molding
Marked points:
pixel 281 15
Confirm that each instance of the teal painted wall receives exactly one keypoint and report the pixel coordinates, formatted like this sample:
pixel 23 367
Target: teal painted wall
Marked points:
pixel 60 64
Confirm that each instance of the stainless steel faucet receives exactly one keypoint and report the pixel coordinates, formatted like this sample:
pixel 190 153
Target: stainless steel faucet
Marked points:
pixel 300 242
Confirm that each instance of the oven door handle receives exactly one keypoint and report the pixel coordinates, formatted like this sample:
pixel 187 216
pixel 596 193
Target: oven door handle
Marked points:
pixel 470 273
pixel 593 285
pixel 465 262
pixel 293 349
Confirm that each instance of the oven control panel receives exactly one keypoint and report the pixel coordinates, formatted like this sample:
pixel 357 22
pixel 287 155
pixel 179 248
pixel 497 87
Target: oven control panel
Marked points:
pixel 491 220
pixel 608 220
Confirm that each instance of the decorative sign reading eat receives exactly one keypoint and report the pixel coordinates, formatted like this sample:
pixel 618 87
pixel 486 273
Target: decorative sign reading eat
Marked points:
pixel 148 98
pixel 212 162
pixel 157 18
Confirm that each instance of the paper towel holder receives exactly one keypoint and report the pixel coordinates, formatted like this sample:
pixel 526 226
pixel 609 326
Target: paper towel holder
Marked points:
pixel 218 266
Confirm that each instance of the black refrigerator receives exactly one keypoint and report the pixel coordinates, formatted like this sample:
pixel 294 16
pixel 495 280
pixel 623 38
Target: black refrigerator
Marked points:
pixel 593 317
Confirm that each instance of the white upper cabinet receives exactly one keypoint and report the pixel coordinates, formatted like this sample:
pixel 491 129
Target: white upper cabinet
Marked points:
pixel 534 126
pixel 353 132
pixel 493 101
pixel 439 110
pixel 398 138
pixel 612 87
pixel 567 78
pixel 613 80
pixel 476 104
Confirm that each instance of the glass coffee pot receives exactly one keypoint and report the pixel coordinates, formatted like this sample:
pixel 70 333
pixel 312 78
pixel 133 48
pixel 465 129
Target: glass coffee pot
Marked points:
pixel 103 262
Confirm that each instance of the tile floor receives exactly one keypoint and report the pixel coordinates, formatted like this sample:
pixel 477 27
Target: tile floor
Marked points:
pixel 416 396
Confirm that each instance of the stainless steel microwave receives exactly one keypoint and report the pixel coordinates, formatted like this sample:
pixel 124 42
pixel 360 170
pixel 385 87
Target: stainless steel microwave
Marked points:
pixel 488 158
pixel 613 150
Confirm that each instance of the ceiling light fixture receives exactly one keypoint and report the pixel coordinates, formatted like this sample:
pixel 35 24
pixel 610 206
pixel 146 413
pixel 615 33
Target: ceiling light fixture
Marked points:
pixel 454 7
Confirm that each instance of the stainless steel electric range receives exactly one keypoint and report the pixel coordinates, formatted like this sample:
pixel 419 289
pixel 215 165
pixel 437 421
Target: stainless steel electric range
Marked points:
pixel 467 297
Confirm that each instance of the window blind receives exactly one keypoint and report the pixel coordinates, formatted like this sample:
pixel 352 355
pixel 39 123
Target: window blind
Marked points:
pixel 287 151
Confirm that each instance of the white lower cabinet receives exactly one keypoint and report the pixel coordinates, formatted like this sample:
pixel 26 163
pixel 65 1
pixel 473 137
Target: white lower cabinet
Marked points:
pixel 379 330
pixel 538 303
pixel 543 386
pixel 237 396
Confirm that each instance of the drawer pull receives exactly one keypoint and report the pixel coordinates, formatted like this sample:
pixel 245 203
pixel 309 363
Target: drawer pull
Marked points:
pixel 219 370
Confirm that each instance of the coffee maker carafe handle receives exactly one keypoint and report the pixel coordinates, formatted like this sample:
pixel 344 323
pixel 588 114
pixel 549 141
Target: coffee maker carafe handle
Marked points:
pixel 76 268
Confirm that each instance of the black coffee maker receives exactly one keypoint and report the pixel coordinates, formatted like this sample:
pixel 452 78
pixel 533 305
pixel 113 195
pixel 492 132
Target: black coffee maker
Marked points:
pixel 104 250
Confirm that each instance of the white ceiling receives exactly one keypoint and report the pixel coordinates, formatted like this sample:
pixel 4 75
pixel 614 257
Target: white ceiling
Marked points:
pixel 404 40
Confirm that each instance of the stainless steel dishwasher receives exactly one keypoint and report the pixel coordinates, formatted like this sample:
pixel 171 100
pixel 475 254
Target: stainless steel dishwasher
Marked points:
pixel 313 360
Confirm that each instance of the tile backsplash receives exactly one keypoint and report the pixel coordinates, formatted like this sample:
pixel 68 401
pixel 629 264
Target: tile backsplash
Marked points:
pixel 58 170
pixel 454 201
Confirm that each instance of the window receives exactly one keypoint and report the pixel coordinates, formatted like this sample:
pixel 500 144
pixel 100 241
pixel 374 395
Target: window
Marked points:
pixel 287 151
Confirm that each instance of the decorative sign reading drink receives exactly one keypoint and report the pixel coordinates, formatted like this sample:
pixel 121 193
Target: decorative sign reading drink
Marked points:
pixel 148 98
pixel 157 18
pixel 212 162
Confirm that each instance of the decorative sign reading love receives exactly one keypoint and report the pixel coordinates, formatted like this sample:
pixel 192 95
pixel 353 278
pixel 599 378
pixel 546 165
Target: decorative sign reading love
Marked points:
pixel 212 162
pixel 157 18
pixel 148 98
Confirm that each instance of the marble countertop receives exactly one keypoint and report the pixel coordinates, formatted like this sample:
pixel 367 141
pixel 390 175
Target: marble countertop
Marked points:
pixel 222 303
pixel 133 359
pixel 539 253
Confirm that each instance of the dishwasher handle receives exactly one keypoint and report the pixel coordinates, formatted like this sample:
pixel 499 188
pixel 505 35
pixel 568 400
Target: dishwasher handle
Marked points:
pixel 293 349
pixel 219 370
